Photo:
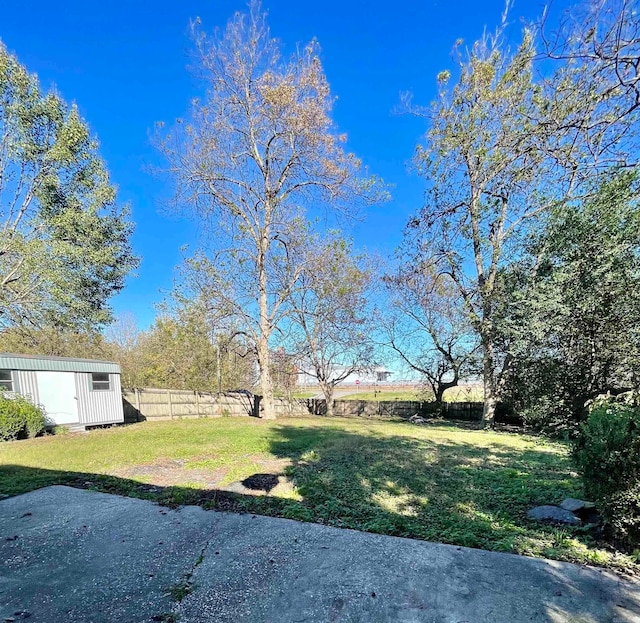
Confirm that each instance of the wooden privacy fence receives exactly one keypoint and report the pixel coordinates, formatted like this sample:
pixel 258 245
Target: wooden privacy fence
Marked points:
pixel 168 404
pixel 404 409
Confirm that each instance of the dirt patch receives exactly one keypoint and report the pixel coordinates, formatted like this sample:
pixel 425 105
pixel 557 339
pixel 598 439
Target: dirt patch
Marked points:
pixel 170 473
pixel 269 480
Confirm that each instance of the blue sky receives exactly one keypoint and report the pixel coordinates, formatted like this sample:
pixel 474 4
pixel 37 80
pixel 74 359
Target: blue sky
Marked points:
pixel 125 64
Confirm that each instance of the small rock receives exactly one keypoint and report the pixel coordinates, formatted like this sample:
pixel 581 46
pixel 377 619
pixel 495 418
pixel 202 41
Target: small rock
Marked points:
pixel 573 505
pixel 553 514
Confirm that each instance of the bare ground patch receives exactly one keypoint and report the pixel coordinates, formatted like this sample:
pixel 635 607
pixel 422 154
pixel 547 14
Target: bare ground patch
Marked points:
pixel 267 479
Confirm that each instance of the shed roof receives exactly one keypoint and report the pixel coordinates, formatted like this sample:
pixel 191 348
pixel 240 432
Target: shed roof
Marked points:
pixel 11 361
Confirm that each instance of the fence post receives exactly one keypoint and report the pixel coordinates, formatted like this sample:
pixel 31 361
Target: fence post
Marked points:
pixel 170 405
pixel 137 392
pixel 198 403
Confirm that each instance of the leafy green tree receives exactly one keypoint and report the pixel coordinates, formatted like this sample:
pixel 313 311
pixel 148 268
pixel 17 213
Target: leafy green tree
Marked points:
pixel 64 243
pixel 177 353
pixel 55 342
pixel 508 142
pixel 180 351
pixel 571 318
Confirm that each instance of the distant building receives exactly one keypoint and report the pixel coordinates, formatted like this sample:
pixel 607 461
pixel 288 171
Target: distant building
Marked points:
pixel 378 374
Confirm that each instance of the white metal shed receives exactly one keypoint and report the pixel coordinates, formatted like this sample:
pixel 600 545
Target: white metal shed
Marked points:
pixel 74 392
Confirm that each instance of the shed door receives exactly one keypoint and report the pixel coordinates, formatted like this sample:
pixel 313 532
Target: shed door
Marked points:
pixel 57 393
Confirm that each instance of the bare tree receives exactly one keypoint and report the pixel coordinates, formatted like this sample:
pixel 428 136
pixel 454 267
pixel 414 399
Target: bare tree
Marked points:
pixel 487 165
pixel 331 319
pixel 429 327
pixel 597 51
pixel 505 146
pixel 258 148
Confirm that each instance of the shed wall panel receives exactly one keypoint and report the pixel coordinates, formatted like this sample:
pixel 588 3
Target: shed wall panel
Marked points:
pixel 27 384
pixel 99 407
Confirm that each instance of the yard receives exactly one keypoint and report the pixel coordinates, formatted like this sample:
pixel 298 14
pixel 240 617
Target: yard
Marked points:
pixel 438 483
pixel 453 394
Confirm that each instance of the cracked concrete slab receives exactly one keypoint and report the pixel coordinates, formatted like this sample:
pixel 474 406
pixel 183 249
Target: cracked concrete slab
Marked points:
pixel 79 556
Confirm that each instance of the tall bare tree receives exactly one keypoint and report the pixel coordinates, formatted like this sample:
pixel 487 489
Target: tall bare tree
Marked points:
pixel 596 48
pixel 505 145
pixel 258 148
pixel 487 165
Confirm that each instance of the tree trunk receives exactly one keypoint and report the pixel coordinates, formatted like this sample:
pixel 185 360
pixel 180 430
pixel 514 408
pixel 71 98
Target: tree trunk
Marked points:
pixel 327 390
pixel 438 396
pixel 488 381
pixel 267 409
pixel 489 409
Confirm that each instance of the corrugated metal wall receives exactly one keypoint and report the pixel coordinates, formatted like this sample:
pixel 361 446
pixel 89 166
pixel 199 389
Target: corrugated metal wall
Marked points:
pixel 27 384
pixel 55 364
pixel 99 407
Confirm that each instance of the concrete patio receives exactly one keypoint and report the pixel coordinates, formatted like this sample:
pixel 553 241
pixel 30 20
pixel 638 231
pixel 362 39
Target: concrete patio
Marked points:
pixel 70 556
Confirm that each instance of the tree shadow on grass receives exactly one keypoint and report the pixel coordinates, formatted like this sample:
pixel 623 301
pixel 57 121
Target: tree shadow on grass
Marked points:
pixel 327 463
pixel 451 492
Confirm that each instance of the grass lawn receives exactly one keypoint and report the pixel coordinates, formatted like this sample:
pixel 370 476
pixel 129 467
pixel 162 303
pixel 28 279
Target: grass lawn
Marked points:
pixel 438 483
pixel 303 395
pixel 381 395
pixel 455 394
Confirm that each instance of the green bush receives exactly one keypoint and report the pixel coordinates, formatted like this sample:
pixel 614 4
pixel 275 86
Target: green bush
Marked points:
pixel 19 417
pixel 607 452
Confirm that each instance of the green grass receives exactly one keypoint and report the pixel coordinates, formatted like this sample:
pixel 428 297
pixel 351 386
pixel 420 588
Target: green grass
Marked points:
pixel 386 395
pixel 439 483
pixel 455 394
pixel 464 394
pixel 303 395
